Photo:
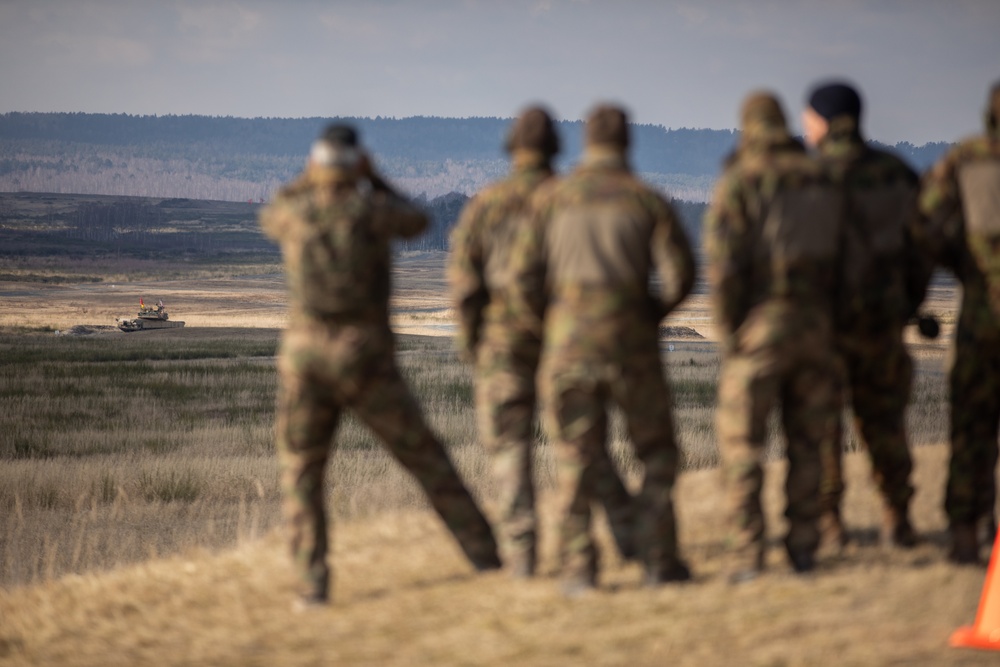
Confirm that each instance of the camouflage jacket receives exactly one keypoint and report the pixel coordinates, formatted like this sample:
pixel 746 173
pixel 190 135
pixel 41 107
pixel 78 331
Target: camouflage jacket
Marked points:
pixel 884 272
pixel 481 249
pixel 772 235
pixel 335 237
pixel 960 198
pixel 584 260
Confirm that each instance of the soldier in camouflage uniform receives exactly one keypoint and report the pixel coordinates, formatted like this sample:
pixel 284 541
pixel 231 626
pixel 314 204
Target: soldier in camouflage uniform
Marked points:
pixel 961 199
pixel 584 265
pixel 506 355
pixel 335 224
pixel 884 277
pixel 771 237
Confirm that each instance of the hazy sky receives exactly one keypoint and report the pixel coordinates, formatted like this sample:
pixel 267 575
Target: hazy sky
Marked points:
pixel 924 66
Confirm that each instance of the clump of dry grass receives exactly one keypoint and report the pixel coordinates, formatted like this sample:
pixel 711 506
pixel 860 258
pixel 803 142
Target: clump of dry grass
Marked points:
pixel 867 607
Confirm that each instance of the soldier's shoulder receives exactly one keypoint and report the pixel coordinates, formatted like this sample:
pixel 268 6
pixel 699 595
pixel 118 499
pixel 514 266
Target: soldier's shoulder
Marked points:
pixel 752 167
pixel 547 190
pixel 298 189
pixel 491 192
pixel 877 165
pixel 969 149
pixel 974 148
pixel 652 199
pixel 291 198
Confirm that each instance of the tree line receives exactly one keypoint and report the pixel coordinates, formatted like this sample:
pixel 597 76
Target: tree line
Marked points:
pixel 225 145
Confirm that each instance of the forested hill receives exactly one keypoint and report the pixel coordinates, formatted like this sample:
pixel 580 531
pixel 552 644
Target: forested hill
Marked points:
pixel 239 158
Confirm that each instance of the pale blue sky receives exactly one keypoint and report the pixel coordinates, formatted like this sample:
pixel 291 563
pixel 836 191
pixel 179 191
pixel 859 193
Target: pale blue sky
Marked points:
pixel 923 66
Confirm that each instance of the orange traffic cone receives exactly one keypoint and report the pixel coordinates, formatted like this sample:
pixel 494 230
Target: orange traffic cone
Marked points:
pixel 985 634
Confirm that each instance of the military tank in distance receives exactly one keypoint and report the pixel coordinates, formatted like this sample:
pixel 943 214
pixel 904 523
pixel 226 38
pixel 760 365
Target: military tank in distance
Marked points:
pixel 149 317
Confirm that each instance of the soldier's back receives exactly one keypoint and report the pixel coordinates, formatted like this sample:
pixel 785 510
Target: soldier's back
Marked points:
pixel 336 240
pixel 883 274
pixel 605 231
pixel 792 218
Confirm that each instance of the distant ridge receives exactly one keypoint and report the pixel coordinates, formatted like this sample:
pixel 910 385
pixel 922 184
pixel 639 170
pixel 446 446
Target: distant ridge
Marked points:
pixel 214 157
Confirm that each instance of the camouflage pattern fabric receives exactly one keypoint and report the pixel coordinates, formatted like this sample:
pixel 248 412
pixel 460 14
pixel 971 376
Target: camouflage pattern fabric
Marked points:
pixel 772 235
pixel 582 266
pixel 885 278
pixel 960 197
pixel 338 352
pixel 506 357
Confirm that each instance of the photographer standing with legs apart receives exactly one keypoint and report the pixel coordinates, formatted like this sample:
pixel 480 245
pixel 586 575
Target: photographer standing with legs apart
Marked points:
pixel 335 224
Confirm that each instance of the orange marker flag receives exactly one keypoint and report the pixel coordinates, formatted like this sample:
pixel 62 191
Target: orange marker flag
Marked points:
pixel 985 634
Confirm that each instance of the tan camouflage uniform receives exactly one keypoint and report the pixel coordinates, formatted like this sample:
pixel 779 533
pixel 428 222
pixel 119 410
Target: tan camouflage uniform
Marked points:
pixel 884 278
pixel 771 236
pixel 338 352
pixel 584 265
pixel 961 199
pixel 506 355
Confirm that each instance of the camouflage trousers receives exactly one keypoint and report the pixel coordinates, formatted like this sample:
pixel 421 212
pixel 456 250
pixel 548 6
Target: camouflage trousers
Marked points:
pixel 324 370
pixel 576 395
pixel 505 406
pixel 799 376
pixel 975 416
pixel 878 373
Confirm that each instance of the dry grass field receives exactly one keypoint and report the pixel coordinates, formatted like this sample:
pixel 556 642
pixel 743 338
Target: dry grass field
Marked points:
pixel 139 510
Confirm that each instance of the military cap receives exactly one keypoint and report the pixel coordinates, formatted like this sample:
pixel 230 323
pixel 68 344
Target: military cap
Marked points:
pixel 533 130
pixel 336 147
pixel 834 99
pixel 608 125
pixel 762 108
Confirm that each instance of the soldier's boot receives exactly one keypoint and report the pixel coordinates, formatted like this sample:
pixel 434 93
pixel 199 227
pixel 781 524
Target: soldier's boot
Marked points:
pixel 964 544
pixel 832 534
pixel 802 561
pixel 306 602
pixel 485 561
pixel 801 543
pixel 469 526
pixel 579 573
pixel 315 592
pixel 522 561
pixel 747 563
pixel 676 571
pixel 897 531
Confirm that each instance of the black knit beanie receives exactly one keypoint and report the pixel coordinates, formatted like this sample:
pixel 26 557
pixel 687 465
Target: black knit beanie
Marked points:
pixel 830 100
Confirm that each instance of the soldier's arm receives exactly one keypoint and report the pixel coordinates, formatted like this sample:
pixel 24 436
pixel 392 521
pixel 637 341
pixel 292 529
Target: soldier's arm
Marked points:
pixel 278 219
pixel 528 294
pixel 466 277
pixel 728 251
pixel 941 232
pixel 394 214
pixel 918 260
pixel 673 258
